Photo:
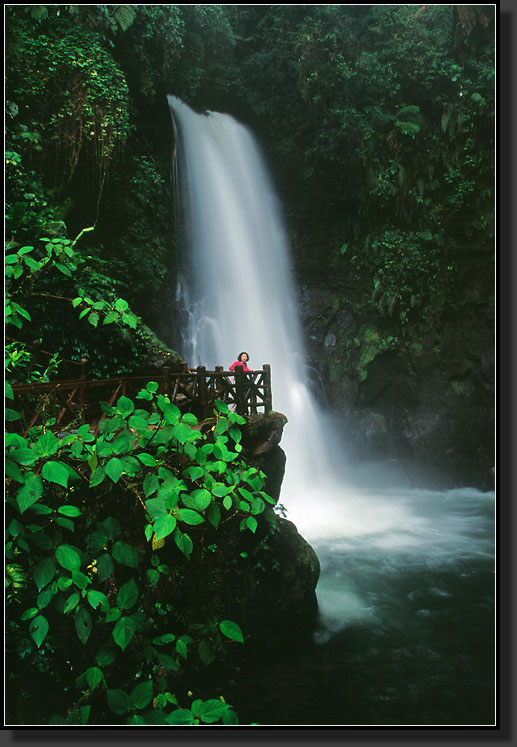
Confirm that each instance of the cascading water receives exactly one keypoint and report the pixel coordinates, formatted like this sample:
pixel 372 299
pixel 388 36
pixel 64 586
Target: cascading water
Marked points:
pixel 237 288
pixel 412 568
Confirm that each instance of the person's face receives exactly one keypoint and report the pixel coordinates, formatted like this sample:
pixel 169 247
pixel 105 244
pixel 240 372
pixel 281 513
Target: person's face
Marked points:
pixel 244 357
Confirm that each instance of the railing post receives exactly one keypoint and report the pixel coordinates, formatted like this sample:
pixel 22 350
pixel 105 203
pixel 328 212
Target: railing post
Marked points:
pixel 240 390
pixel 268 395
pixel 82 388
pixel 202 390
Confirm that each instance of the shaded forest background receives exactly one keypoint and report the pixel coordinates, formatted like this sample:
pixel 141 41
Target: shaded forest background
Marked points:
pixel 378 125
pixel 124 547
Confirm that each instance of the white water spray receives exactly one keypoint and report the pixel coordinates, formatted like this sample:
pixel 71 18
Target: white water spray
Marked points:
pixel 238 288
pixel 238 291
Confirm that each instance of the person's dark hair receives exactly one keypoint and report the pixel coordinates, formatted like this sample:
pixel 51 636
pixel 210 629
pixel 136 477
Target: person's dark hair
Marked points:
pixel 239 358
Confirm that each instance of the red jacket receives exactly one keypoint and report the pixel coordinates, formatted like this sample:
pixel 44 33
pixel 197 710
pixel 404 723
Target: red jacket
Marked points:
pixel 240 363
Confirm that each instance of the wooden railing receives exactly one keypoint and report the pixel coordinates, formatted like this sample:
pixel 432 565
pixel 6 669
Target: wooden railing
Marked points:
pixel 73 402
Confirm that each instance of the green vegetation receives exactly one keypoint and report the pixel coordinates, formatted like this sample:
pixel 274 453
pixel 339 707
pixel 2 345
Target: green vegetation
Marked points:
pixel 378 122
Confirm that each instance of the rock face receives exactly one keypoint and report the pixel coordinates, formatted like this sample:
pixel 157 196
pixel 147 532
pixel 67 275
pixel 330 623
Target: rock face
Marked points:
pixel 264 581
pixel 426 404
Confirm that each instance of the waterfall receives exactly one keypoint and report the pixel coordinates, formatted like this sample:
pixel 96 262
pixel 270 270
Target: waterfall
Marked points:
pixel 237 286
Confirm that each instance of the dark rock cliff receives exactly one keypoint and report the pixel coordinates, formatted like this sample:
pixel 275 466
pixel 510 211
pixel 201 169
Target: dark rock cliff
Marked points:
pixel 424 404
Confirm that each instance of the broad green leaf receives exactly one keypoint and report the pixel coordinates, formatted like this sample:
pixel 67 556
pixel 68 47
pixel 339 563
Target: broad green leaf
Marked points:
pixel 213 514
pixel 47 444
pixel 124 631
pixel 29 614
pixel 202 498
pixel 114 469
pixel 125 406
pixel 142 694
pixel 105 567
pixel 94 677
pixel 69 511
pixel 182 433
pixel 97 476
pixel 212 710
pixel 127 595
pixel 231 630
pixel 81 580
pixel 44 573
pixel 227 502
pixel 118 701
pixel 125 554
pixel 156 506
pixel 83 625
pixel 151 484
pixel 189 516
pixel 71 602
pixel 98 599
pixel 167 662
pixel 55 472
pixel 106 656
pixel 146 459
pixel 164 525
pixel 194 473
pixel 30 492
pixel 206 652
pixel 181 716
pixel 68 557
pixel 251 523
pixel 38 629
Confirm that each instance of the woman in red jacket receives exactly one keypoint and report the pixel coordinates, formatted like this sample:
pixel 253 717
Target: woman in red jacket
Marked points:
pixel 242 360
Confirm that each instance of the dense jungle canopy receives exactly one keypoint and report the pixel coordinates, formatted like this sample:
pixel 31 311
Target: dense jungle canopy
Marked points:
pixel 378 124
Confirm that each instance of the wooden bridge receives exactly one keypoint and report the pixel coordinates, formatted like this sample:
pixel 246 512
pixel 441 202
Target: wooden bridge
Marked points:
pixel 73 402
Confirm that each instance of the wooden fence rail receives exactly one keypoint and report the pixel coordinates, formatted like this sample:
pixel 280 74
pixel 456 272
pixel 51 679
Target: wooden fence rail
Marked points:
pixel 73 402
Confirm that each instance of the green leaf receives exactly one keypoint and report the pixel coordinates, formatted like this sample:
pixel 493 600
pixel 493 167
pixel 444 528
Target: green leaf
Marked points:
pixel 94 677
pixel 124 631
pixel 125 554
pixel 98 599
pixel 105 567
pixel 118 701
pixel 38 629
pixel 106 656
pixel 146 459
pixel 194 473
pixel 164 525
pixel 181 716
pixel 251 523
pixel 83 625
pixel 30 492
pixel 142 694
pixel 114 469
pixel 69 511
pixel 206 652
pixel 71 602
pixel 97 476
pixel 55 472
pixel 68 557
pixel 29 613
pixel 182 433
pixel 44 573
pixel 151 484
pixel 212 710
pixel 11 415
pixel 213 514
pixel 47 444
pixel 189 516
pixel 127 595
pixel 125 406
pixel 231 630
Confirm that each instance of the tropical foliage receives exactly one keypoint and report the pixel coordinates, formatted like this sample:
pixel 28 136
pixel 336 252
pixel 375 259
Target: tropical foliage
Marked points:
pixel 378 123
